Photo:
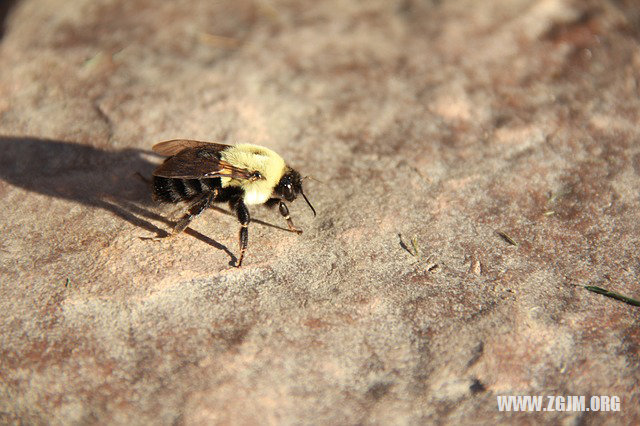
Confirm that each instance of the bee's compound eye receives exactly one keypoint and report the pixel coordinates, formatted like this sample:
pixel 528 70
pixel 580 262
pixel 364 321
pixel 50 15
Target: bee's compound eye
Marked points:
pixel 288 191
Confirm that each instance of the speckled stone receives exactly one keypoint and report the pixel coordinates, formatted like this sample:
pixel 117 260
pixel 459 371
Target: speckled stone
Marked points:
pixel 433 126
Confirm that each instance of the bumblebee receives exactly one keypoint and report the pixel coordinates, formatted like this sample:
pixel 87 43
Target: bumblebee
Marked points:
pixel 203 173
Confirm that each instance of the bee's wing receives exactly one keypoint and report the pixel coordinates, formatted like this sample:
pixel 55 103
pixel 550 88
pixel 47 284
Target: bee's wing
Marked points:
pixel 200 162
pixel 172 147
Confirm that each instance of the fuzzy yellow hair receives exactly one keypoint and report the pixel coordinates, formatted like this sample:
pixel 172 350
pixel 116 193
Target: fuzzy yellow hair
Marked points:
pixel 259 159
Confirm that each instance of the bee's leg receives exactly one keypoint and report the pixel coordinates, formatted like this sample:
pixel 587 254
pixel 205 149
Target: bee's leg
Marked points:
pixel 243 216
pixel 284 211
pixel 196 208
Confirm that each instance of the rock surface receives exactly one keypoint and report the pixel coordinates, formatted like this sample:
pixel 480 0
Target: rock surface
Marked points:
pixel 433 126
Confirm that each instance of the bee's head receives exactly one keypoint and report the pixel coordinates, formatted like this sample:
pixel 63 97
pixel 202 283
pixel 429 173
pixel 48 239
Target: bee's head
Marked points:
pixel 290 186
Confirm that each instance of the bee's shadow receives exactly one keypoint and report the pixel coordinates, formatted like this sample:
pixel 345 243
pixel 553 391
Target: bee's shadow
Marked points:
pixel 6 6
pixel 91 176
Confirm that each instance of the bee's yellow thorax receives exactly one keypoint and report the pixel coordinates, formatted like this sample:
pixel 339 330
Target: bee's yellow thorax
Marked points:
pixel 259 159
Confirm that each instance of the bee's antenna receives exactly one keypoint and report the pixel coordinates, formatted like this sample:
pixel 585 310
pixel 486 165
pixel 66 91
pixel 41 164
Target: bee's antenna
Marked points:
pixel 312 178
pixel 307 200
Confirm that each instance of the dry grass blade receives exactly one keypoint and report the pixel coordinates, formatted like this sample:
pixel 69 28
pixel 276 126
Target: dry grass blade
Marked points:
pixel 507 238
pixel 613 295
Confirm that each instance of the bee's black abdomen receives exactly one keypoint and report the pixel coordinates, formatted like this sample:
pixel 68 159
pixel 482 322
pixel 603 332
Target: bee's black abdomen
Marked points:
pixel 172 190
pixel 163 190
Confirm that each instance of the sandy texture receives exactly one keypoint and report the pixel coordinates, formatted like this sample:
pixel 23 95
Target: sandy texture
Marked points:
pixel 433 125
